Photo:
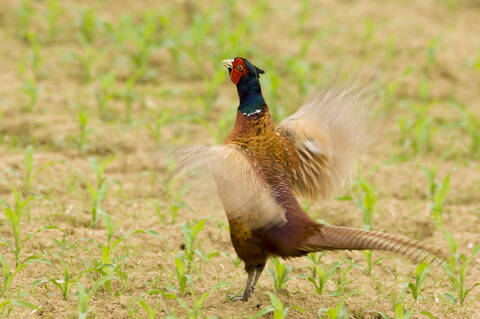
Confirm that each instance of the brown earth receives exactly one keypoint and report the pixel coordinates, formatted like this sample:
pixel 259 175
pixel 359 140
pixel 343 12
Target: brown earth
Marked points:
pixel 376 39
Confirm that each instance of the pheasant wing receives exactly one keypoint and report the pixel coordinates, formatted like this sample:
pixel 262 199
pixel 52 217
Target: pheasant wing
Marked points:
pixel 328 132
pixel 246 198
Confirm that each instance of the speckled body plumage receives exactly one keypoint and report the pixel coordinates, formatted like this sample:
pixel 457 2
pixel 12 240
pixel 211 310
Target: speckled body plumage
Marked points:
pixel 274 159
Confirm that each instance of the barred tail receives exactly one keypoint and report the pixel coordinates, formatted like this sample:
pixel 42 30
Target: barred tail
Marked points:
pixel 337 238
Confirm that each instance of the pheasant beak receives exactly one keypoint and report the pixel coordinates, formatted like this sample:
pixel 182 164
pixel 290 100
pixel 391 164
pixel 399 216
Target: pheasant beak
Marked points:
pixel 228 63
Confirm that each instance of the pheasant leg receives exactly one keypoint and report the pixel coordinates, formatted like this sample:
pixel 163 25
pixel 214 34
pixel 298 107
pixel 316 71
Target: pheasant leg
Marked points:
pixel 246 292
pixel 258 272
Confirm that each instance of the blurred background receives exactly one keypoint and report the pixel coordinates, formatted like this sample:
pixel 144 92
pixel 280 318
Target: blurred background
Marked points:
pixel 94 96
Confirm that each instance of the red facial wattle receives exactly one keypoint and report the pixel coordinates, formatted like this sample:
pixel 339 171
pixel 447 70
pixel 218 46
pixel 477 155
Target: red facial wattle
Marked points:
pixel 239 69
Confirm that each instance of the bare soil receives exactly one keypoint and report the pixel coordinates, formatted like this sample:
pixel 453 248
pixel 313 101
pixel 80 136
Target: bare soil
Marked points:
pixel 376 38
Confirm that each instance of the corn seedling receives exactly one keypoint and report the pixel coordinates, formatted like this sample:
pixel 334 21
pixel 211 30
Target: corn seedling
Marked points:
pixel 1 116
pixel 129 96
pixel 279 273
pixel 439 198
pixel 30 172
pixel 53 16
pixel 172 208
pixel 69 280
pixel 235 260
pixel 181 266
pixel 301 71
pixel 336 312
pixel 98 189
pixel 432 183
pixel 431 54
pixel 456 270
pixel 218 130
pixel 390 89
pixel 437 193
pixel 85 295
pixel 25 14
pixel 144 42
pixel 417 130
pixel 368 33
pixel 88 25
pixel 7 305
pixel 83 299
pixel 111 265
pixel 475 62
pixel 223 125
pixel 304 15
pixel 195 310
pixel 211 92
pixel 221 226
pixel 470 124
pixel 31 90
pixel 9 274
pixel 158 207
pixel 34 56
pixel 150 312
pixel 105 94
pixel 420 275
pixel 315 259
pixel 191 231
pixel 195 36
pixel 173 200
pixel 424 89
pixel 271 85
pixel 159 121
pixel 320 275
pixel 83 130
pixel 343 278
pixel 29 175
pixel 366 203
pixel 107 250
pixel 451 4
pixel 277 307
pixel 400 313
pixel 85 60
pixel 63 243
pixel 14 215
pixel 206 256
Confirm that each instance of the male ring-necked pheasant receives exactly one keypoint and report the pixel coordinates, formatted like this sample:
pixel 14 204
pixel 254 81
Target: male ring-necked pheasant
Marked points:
pixel 261 167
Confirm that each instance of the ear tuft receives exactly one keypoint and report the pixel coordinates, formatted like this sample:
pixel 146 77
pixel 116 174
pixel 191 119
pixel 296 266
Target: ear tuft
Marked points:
pixel 259 71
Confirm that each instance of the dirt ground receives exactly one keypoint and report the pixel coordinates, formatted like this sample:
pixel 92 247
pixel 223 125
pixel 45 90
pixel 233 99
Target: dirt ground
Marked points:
pixel 422 56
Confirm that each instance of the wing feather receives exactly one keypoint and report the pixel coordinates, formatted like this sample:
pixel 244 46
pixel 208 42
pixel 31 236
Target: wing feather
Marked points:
pixel 245 196
pixel 328 132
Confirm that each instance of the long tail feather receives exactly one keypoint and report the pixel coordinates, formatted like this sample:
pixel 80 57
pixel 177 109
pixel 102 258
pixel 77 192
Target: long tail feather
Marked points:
pixel 336 238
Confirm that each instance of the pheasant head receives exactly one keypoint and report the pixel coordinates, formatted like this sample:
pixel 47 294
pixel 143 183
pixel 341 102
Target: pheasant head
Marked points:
pixel 246 76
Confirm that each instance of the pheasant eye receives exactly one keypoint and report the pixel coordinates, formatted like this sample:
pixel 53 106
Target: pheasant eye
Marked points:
pixel 240 67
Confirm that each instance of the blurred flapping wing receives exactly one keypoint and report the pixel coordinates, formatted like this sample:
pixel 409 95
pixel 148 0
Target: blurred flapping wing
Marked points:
pixel 328 133
pixel 244 195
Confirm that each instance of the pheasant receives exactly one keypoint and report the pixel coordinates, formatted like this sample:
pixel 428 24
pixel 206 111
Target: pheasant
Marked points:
pixel 261 168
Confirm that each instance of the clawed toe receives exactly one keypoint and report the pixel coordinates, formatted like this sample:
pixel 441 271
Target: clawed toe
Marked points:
pixel 241 297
